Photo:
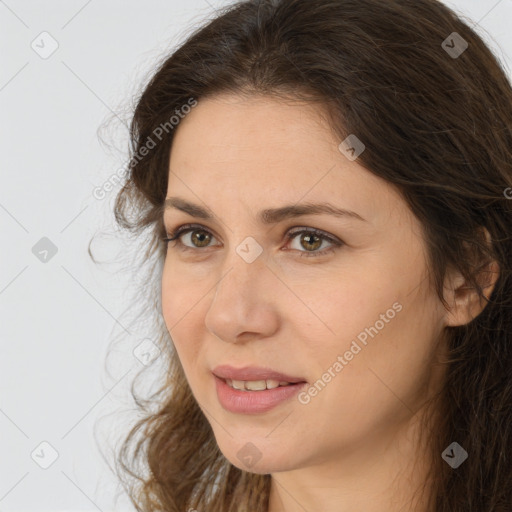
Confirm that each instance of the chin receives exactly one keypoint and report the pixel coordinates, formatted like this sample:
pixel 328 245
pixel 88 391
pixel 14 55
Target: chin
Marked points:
pixel 253 460
pixel 262 468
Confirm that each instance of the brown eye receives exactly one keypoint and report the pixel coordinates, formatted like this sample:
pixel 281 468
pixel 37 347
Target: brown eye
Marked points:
pixel 199 237
pixel 200 240
pixel 310 242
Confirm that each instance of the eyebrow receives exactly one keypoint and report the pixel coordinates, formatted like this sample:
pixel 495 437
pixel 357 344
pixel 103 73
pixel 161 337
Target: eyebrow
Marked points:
pixel 270 215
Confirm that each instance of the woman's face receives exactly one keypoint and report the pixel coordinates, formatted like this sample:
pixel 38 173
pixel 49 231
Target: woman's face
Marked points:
pixel 355 317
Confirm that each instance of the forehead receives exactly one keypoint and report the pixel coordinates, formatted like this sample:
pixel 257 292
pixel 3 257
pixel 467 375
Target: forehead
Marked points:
pixel 231 125
pixel 267 152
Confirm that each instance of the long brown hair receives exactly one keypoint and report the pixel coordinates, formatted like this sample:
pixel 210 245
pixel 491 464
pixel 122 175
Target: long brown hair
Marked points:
pixel 436 118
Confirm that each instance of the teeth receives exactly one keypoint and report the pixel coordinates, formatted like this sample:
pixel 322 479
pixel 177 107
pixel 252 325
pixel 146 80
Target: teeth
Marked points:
pixel 272 384
pixel 237 384
pixel 255 385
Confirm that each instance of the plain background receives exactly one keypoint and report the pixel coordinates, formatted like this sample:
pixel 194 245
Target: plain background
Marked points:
pixel 58 315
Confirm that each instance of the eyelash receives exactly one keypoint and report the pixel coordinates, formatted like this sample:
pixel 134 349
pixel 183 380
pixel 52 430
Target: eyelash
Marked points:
pixel 182 230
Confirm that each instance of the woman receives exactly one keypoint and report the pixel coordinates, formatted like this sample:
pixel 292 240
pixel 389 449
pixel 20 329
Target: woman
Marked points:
pixel 326 183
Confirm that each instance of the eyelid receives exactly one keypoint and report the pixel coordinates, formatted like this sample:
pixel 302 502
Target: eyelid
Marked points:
pixel 290 235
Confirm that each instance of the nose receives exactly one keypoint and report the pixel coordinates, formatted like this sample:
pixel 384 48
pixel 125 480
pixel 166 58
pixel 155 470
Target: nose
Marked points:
pixel 244 305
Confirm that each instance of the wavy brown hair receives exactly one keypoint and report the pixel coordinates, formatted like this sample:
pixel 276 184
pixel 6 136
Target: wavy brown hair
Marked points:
pixel 436 126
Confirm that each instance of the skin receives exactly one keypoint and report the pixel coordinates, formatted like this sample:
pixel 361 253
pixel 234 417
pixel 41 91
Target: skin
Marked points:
pixel 355 445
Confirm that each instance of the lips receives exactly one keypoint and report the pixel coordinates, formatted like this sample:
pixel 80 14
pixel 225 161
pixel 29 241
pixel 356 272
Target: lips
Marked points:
pixel 253 373
pixel 254 402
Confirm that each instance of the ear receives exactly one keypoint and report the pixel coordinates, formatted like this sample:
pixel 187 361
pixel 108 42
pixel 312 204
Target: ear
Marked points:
pixel 464 303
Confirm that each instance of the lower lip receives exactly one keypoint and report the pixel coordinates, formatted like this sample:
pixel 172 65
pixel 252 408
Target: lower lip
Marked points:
pixel 248 402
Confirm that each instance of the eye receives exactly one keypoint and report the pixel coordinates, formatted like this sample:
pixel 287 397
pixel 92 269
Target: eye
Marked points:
pixel 200 237
pixel 311 239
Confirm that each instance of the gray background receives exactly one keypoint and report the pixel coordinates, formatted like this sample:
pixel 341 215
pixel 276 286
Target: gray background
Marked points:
pixel 60 311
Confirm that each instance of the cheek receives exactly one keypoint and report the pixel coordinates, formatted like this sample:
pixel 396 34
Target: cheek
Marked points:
pixel 397 357
pixel 340 308
pixel 181 307
pixel 375 323
pixel 183 290
pixel 382 383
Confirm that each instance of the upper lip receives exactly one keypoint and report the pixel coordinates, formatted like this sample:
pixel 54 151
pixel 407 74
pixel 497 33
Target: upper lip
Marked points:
pixel 253 373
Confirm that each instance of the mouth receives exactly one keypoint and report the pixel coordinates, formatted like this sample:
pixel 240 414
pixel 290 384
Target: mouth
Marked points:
pixel 253 375
pixel 261 389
